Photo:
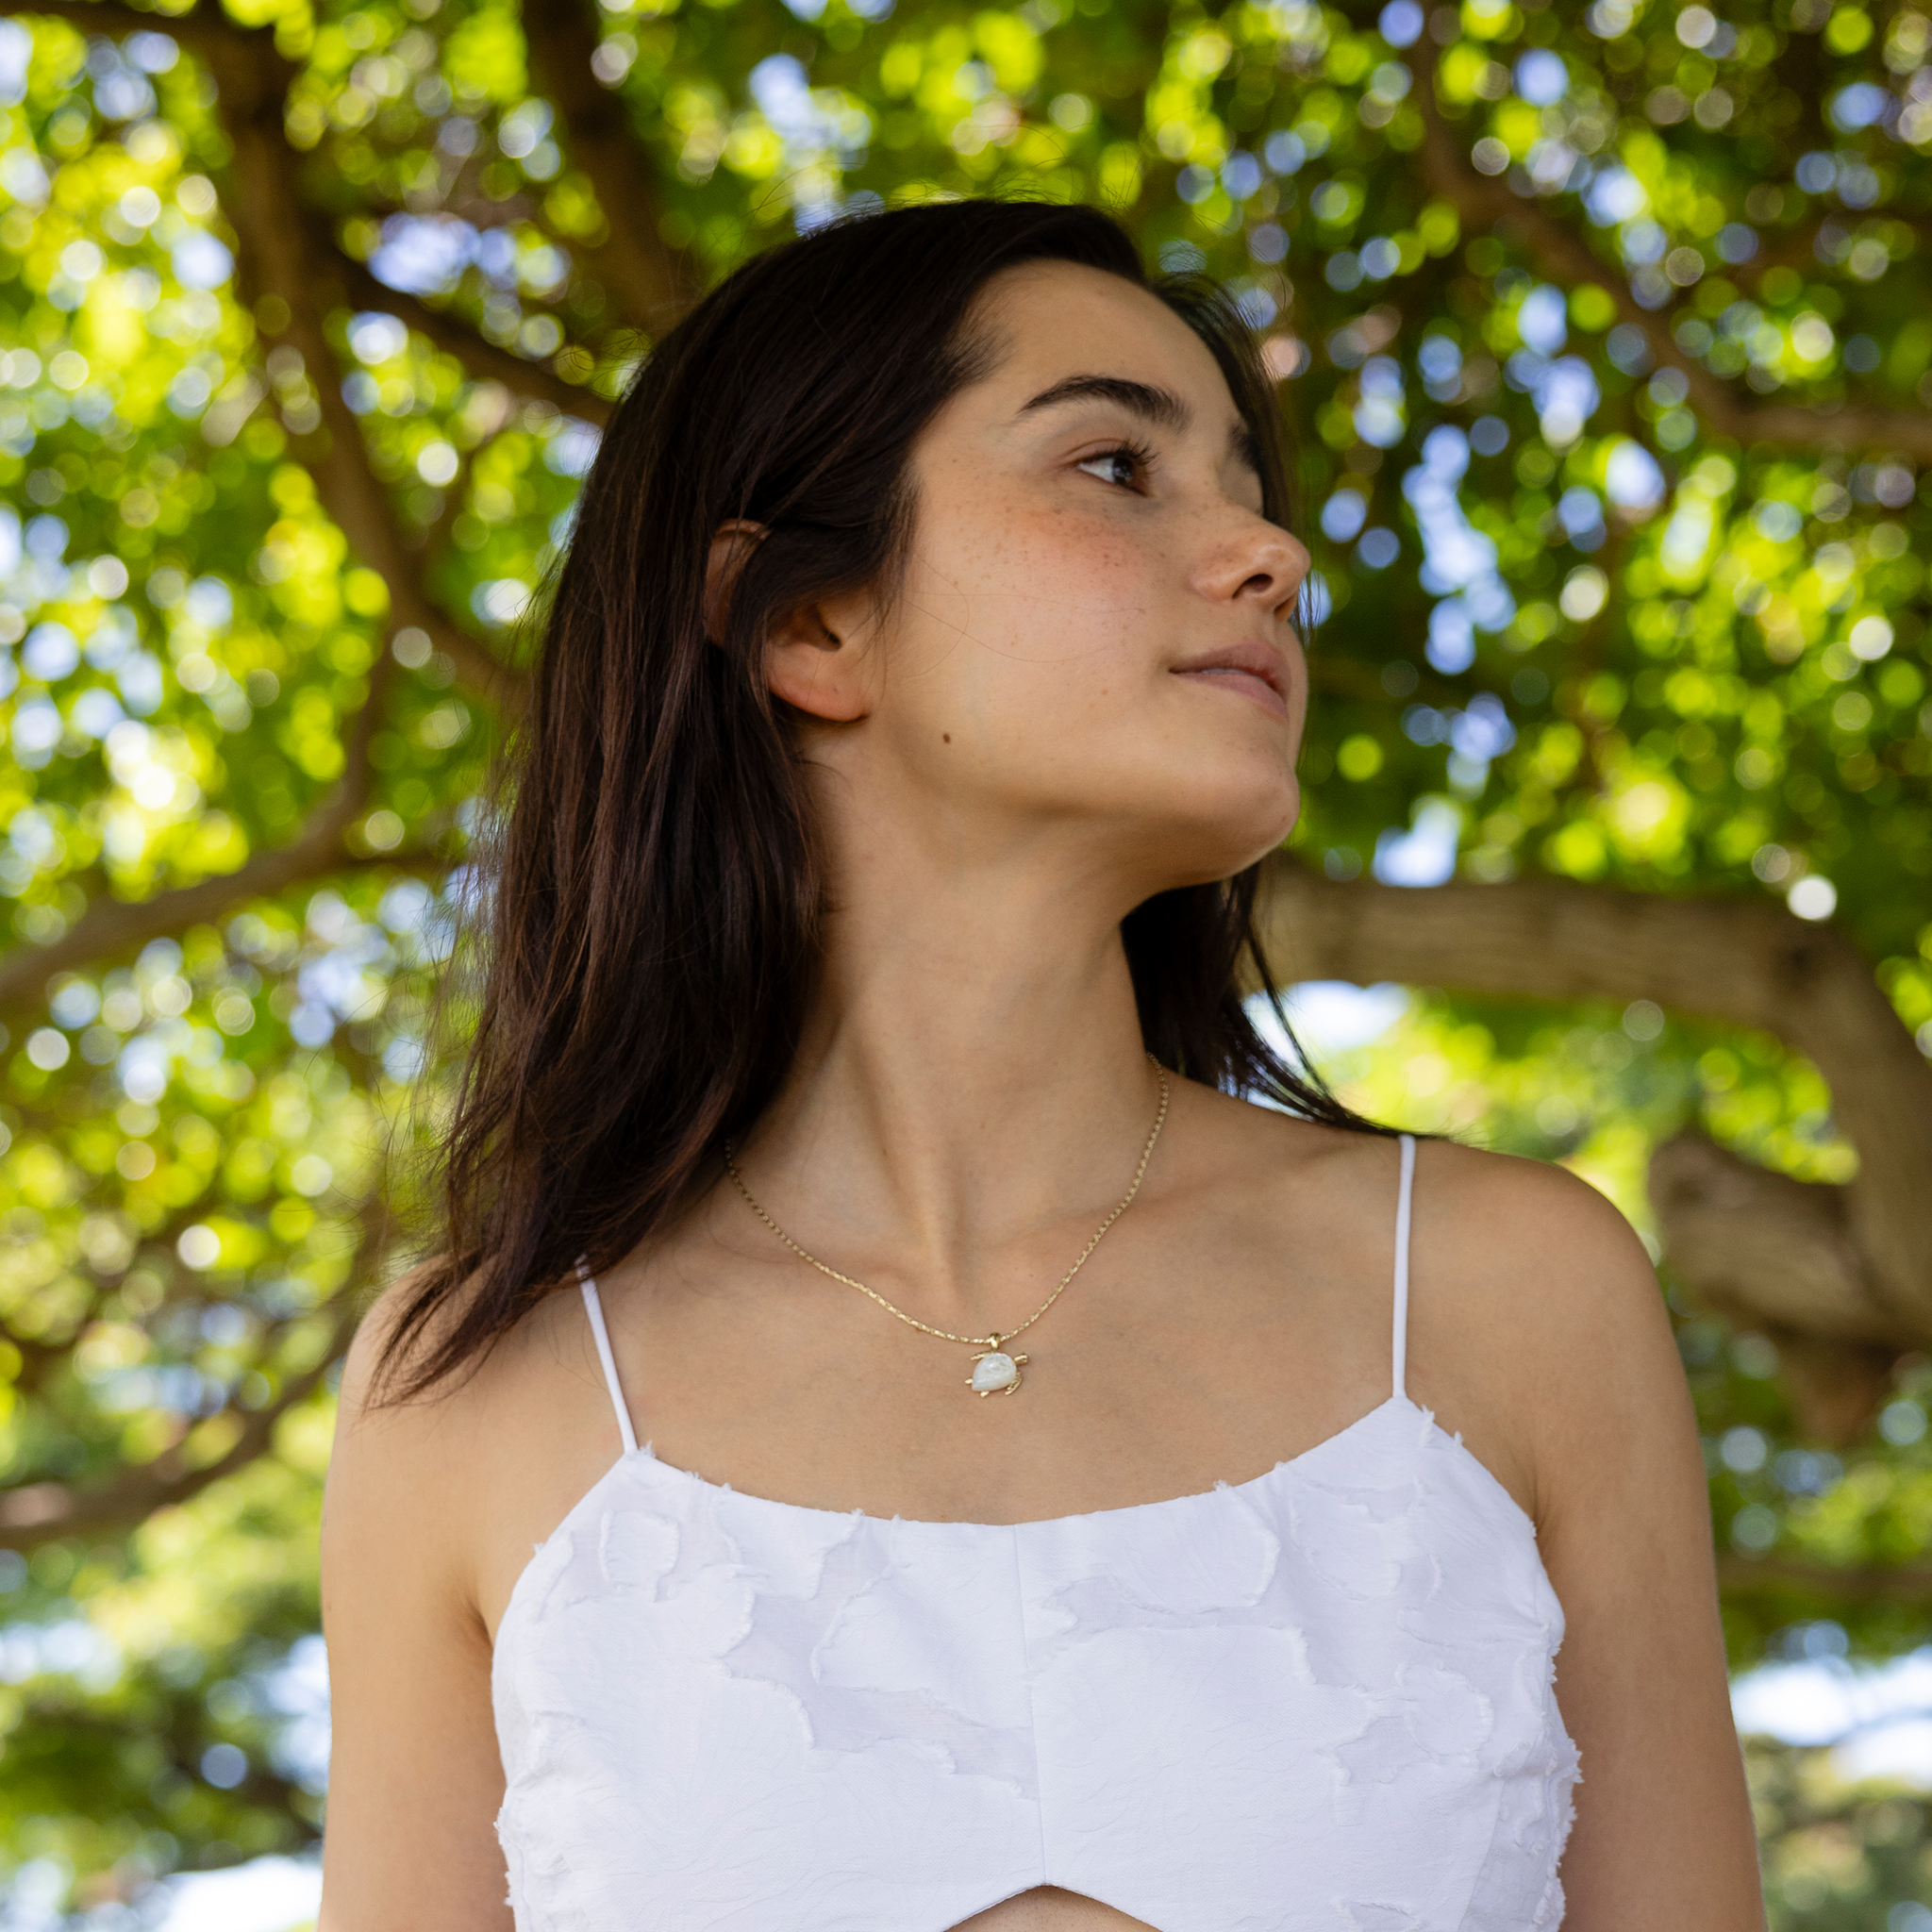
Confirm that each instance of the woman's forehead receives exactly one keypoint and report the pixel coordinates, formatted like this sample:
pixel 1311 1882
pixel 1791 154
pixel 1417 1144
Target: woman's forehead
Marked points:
pixel 1043 323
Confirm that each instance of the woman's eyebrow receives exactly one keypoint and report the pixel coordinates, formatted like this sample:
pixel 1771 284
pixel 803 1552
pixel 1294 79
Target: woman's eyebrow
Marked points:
pixel 1160 406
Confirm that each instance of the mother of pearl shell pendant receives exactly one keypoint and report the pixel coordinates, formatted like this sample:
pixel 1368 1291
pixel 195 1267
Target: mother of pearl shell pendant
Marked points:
pixel 995 1372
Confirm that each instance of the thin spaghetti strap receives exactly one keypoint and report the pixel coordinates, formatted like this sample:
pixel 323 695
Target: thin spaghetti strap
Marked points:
pixel 594 1309
pixel 1399 1347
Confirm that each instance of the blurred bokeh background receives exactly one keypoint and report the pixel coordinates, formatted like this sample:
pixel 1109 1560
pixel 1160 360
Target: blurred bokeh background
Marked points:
pixel 1604 343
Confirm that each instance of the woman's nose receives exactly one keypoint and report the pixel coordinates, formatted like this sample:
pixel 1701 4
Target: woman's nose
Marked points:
pixel 1263 565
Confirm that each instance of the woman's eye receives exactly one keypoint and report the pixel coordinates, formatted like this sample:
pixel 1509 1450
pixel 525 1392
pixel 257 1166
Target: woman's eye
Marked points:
pixel 1120 466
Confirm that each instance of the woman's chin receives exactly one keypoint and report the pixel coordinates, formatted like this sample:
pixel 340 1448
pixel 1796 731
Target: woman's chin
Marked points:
pixel 1204 846
pixel 1255 821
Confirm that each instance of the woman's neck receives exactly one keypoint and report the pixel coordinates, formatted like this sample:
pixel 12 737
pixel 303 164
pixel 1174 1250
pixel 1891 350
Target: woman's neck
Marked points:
pixel 972 1071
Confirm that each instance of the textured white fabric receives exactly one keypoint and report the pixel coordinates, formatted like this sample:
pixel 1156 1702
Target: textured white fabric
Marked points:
pixel 1320 1699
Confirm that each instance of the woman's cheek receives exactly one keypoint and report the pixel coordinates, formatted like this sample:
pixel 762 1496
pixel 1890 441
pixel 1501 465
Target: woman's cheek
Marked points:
pixel 1098 553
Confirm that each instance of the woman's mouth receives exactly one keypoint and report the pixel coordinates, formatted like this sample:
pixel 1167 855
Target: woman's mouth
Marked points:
pixel 1253 673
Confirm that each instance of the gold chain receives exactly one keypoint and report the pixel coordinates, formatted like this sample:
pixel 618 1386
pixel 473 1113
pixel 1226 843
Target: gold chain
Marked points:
pixel 996 1339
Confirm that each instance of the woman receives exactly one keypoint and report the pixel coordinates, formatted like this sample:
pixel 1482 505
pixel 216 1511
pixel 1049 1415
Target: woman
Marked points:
pixel 919 696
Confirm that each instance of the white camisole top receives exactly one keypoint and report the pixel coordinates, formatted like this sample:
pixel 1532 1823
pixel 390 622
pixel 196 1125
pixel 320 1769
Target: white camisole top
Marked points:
pixel 1318 1699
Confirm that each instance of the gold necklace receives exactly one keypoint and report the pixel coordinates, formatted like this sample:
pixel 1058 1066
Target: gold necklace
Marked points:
pixel 994 1369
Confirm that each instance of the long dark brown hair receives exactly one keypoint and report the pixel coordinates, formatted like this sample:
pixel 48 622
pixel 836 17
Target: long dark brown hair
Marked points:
pixel 653 928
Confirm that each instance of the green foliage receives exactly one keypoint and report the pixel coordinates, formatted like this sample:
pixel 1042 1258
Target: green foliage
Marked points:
pixel 1837 1856
pixel 1603 341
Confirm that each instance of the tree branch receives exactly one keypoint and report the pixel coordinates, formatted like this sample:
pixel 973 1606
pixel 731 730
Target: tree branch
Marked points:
pixel 276 255
pixel 1738 1575
pixel 202 29
pixel 646 277
pixel 110 928
pixel 40 1512
pixel 1773 1251
pixel 1777 1255
pixel 115 926
pixel 1569 262
pixel 1748 963
pixel 450 333
pixel 349 489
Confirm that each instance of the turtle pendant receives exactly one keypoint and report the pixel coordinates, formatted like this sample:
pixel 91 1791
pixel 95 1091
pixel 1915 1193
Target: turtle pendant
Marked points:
pixel 995 1372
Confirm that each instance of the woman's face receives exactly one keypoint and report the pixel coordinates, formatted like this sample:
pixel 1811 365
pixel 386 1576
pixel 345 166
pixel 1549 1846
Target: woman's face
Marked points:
pixel 1094 630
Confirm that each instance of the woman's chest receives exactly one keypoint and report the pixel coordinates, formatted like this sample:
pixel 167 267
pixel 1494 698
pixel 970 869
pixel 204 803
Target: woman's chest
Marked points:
pixel 838 1414
pixel 1163 1379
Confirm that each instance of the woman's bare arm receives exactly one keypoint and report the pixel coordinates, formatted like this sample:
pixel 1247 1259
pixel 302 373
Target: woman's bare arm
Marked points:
pixel 415 1779
pixel 1663 1833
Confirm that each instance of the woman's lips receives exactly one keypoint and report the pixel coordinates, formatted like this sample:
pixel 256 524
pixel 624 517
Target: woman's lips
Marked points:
pixel 1257 689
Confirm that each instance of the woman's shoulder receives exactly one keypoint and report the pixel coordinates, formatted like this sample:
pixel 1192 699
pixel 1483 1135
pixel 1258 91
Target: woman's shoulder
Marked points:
pixel 1483 1182
pixel 1557 1258
pixel 415 1458
pixel 398 1437
pixel 1506 1202
pixel 1536 1326
pixel 1535 1300
pixel 396 1372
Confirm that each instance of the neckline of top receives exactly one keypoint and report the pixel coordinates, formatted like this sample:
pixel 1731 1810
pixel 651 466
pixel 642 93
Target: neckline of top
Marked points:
pixel 645 1454
pixel 642 1456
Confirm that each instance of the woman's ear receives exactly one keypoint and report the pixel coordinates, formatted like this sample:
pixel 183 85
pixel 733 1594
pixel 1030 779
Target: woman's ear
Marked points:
pixel 811 666
pixel 816 669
